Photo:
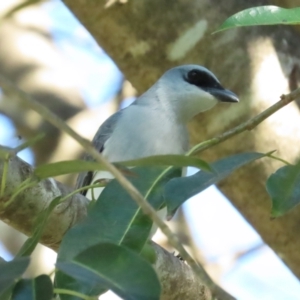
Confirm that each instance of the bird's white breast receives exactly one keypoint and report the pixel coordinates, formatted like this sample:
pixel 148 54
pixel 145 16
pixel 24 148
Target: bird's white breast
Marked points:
pixel 145 132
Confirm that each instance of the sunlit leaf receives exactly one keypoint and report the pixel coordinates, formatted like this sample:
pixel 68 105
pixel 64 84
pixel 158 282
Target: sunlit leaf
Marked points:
pixel 170 160
pixel 116 268
pixel 77 166
pixel 262 15
pixel 66 167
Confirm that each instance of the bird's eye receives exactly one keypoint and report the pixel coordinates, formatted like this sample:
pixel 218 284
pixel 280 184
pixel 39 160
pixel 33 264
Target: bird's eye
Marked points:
pixel 194 76
pixel 202 79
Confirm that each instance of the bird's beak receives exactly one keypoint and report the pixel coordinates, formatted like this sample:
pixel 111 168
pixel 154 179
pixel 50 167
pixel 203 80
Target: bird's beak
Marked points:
pixel 224 95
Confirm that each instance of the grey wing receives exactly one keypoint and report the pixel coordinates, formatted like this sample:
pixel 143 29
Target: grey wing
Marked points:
pixel 102 135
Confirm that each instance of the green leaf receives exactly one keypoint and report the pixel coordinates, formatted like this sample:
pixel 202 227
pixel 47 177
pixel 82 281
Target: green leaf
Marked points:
pixel 178 190
pixel 39 288
pixel 262 15
pixel 170 160
pixel 284 189
pixel 116 268
pixel 77 166
pixel 39 227
pixel 66 167
pixel 115 218
pixel 10 272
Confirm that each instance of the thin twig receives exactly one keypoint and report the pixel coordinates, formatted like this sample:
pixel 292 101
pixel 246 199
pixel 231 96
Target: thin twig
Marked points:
pixel 248 125
pixel 10 89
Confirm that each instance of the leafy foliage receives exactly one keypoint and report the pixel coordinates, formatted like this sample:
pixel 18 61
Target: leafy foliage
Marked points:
pixel 106 264
pixel 10 272
pixel 262 15
pixel 115 218
pixel 181 189
pixel 76 166
pixel 39 288
pixel 284 189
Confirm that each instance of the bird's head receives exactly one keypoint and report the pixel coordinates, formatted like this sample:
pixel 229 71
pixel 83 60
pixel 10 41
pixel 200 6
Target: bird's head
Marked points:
pixel 191 89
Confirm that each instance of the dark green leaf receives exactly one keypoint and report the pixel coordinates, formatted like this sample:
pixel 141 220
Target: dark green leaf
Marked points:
pixel 39 288
pixel 10 272
pixel 169 160
pixel 178 190
pixel 115 218
pixel 116 268
pixel 284 189
pixel 262 15
pixel 39 227
pixel 66 167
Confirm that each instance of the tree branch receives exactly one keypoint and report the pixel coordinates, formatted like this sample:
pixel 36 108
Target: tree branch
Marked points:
pixel 29 203
pixel 248 125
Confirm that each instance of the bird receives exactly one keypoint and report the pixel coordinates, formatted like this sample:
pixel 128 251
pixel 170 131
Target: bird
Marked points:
pixel 156 122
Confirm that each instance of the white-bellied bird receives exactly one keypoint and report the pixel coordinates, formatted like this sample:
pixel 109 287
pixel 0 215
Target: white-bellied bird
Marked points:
pixel 155 123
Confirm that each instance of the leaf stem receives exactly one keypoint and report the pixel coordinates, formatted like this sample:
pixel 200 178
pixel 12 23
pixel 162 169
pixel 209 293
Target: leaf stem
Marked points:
pixel 73 293
pixel 280 159
pixel 94 185
pixel 25 184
